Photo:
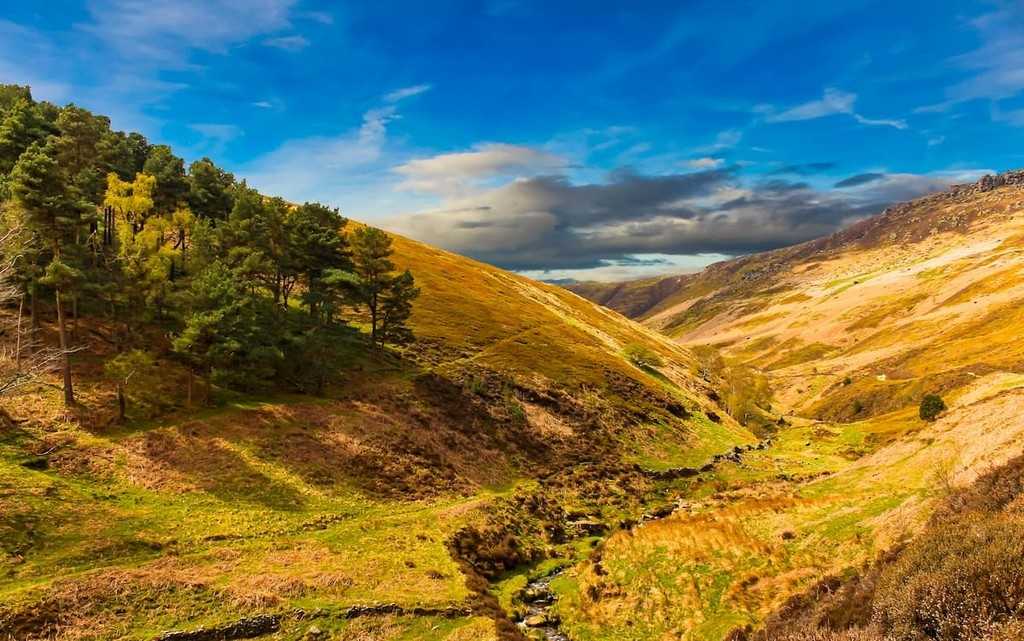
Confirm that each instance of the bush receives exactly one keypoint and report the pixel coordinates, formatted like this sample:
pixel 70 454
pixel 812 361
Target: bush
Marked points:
pixel 957 582
pixel 931 406
pixel 642 356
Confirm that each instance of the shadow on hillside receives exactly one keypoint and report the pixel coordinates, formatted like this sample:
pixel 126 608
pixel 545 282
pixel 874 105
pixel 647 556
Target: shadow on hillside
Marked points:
pixel 213 465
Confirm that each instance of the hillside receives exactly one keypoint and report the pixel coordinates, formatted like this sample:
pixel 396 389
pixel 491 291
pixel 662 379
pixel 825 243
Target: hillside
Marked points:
pixel 224 415
pixel 277 504
pixel 922 297
pixel 849 331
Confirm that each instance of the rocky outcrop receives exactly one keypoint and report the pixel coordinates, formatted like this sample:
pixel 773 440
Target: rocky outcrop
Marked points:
pixel 247 628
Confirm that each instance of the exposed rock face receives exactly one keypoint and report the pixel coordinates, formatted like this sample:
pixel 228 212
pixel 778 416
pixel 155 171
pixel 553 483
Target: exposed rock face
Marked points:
pixel 246 628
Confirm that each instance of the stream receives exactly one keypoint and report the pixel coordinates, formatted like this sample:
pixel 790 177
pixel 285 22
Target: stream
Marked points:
pixel 538 596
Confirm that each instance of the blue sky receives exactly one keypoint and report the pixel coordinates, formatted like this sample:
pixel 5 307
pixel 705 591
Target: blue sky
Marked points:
pixel 586 140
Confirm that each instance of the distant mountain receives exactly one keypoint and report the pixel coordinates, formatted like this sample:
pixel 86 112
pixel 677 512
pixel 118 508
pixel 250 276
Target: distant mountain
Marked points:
pixel 919 297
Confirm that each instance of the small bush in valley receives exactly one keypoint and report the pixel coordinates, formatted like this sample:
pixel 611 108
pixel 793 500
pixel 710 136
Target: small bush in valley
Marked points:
pixel 641 356
pixel 931 406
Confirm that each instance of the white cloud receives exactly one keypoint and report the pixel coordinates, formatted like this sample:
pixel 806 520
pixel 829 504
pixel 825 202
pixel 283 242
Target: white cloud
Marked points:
pixel 406 92
pixel 833 102
pixel 454 173
pixel 723 140
pixel 996 68
pixel 216 137
pixel 318 16
pixel 347 169
pixel 881 122
pixel 287 43
pixel 164 30
pixel 706 162
pixel 263 104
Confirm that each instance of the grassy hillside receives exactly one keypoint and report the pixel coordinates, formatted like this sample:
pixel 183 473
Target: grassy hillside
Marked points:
pixel 921 298
pixel 849 332
pixel 303 507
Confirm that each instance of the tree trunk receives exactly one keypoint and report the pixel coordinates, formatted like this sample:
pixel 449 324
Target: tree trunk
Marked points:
pixel 17 338
pixel 209 391
pixel 34 310
pixel 188 398
pixel 373 318
pixel 69 392
pixel 120 401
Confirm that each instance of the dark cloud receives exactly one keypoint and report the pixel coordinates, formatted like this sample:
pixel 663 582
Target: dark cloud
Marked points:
pixel 547 222
pixel 806 169
pixel 859 179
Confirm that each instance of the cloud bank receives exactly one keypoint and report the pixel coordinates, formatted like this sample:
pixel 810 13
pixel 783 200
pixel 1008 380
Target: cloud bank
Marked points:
pixel 547 222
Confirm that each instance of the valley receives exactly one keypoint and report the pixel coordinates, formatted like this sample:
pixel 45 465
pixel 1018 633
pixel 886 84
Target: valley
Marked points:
pixel 253 447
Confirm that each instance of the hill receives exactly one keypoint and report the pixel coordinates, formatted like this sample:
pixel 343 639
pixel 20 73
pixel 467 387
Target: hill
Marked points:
pixel 282 503
pixel 922 297
pixel 849 332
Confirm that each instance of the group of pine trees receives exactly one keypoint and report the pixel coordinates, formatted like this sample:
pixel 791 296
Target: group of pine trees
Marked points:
pixel 242 288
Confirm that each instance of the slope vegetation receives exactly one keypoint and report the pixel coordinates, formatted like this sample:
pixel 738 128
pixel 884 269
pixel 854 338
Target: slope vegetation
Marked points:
pixel 849 332
pixel 923 298
pixel 335 515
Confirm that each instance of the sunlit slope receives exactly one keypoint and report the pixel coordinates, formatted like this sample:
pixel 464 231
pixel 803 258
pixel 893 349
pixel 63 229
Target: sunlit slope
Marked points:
pixel 729 560
pixel 920 299
pixel 304 507
pixel 474 320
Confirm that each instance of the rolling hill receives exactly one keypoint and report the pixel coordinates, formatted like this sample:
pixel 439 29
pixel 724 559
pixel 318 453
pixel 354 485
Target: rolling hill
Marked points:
pixel 924 297
pixel 286 513
pixel 850 332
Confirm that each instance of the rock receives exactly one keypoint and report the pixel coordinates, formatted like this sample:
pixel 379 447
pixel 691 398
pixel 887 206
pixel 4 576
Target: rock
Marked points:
pixel 247 628
pixel 315 634
pixel 539 620
pixel 589 527
pixel 537 595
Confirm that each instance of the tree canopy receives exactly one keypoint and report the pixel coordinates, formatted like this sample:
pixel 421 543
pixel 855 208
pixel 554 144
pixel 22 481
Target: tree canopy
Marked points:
pixel 244 287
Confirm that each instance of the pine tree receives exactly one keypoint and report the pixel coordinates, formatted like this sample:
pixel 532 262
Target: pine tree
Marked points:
pixel 318 248
pixel 229 333
pixel 388 298
pixel 53 211
pixel 171 183
pixel 22 125
pixel 371 258
pixel 396 308
pixel 209 190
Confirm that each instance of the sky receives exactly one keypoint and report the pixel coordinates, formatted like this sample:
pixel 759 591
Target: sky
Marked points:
pixel 565 140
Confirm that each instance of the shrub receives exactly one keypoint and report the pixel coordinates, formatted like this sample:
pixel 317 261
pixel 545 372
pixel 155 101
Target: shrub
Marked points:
pixel 931 406
pixel 642 356
pixel 957 582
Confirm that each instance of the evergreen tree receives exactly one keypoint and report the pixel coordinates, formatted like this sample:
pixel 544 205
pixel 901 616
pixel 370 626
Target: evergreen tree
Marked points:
pixel 316 249
pixel 388 299
pixel 229 334
pixel 11 94
pixel 21 126
pixel 53 211
pixel 210 190
pixel 171 184
pixel 396 308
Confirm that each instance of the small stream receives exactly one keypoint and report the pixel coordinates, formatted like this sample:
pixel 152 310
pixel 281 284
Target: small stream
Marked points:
pixel 539 598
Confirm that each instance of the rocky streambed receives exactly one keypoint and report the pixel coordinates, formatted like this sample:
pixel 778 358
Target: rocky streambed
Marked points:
pixel 538 618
